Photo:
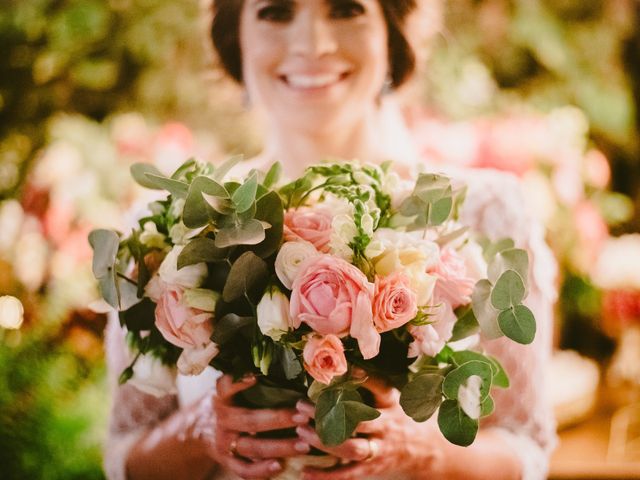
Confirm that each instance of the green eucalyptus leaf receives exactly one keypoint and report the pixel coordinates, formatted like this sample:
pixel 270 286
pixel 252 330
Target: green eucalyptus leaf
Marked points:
pixel 249 233
pixel 229 326
pixel 455 425
pixel 421 397
pixel 338 414
pixel 201 250
pixel 221 171
pixel 121 294
pixel 459 376
pixel 247 272
pixel 466 325
pixel 491 249
pixel 508 291
pixel 270 209
pixel 440 211
pixel 139 173
pixel 188 166
pixel 487 407
pixel 273 175
pixel 412 206
pixel 519 324
pixel 244 197
pixel 500 377
pixel 105 244
pixel 175 187
pixel 484 312
pixel 510 259
pixel 204 194
pixel 290 363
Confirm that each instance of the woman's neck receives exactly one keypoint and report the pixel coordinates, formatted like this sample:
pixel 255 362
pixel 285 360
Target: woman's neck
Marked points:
pixel 376 136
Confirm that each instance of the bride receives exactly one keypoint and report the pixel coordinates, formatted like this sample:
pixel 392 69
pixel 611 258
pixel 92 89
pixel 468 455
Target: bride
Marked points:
pixel 325 74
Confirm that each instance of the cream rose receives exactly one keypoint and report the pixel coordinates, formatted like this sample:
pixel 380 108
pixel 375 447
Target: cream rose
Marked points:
pixel 273 314
pixel 193 361
pixel 289 259
pixel 187 277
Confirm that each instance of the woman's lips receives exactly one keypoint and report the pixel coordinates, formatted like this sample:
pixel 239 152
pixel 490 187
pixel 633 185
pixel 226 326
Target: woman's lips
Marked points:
pixel 312 82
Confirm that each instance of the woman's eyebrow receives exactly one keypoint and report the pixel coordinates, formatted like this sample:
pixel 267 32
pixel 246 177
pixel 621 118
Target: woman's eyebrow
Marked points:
pixel 272 2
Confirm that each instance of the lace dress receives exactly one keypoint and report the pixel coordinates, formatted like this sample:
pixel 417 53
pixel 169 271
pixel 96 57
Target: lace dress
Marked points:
pixel 495 207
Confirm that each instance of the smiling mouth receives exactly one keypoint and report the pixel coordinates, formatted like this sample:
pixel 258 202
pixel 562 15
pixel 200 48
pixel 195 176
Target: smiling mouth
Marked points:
pixel 313 82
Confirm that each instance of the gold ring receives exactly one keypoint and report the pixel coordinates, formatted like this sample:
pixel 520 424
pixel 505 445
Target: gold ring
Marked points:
pixel 374 448
pixel 233 447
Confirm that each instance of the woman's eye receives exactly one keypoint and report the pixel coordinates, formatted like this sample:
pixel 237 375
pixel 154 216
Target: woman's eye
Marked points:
pixel 347 9
pixel 276 13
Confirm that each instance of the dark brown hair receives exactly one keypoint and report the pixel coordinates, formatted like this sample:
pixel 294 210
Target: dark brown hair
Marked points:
pixel 225 35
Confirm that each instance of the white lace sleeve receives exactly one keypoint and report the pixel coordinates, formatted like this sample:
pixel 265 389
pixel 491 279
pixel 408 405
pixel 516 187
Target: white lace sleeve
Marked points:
pixel 495 206
pixel 132 411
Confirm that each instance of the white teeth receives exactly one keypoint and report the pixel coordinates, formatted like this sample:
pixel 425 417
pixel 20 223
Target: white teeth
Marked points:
pixel 311 81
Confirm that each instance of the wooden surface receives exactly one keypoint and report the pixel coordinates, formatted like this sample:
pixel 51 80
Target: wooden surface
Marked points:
pixel 582 451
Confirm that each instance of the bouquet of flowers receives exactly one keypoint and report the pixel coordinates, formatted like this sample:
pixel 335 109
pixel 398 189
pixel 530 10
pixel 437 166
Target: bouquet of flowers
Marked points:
pixel 348 267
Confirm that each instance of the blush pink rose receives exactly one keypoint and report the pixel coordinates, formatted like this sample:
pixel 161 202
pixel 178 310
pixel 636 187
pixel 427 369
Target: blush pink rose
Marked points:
pixel 180 324
pixel 453 285
pixel 310 225
pixel 334 297
pixel 394 302
pixel 324 358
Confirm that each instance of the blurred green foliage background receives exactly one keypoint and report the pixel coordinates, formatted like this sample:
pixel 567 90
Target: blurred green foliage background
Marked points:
pixel 99 58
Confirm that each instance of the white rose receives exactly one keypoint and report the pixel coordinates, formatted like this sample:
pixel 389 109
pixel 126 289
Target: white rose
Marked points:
pixel 289 258
pixel 193 361
pixel 151 376
pixel 273 314
pixel 191 276
pixel 469 396
pixel 11 312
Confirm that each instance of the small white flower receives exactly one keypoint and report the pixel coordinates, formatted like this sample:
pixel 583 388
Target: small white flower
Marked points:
pixel 362 178
pixel 193 361
pixel 273 314
pixel 11 312
pixel 177 207
pixel 289 259
pixel 367 224
pixel 151 237
pixel 343 231
pixel 202 299
pixel 469 396
pixel 187 277
pixel 180 233
pixel 151 376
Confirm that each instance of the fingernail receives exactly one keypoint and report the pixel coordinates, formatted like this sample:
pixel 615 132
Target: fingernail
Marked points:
pixel 300 418
pixel 275 466
pixel 302 447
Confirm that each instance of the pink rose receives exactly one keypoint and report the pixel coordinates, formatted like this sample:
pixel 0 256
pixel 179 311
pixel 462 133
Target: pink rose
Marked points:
pixel 394 303
pixel 324 358
pixel 334 297
pixel 453 285
pixel 430 339
pixel 311 225
pixel 180 324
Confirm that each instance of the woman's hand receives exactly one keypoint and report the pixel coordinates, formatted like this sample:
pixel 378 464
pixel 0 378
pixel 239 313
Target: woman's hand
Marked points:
pixel 233 442
pixel 391 443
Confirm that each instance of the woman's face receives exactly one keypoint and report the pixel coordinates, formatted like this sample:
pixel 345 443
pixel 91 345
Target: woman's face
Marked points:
pixel 314 64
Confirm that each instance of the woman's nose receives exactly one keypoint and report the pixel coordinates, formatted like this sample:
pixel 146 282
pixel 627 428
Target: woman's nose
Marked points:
pixel 312 36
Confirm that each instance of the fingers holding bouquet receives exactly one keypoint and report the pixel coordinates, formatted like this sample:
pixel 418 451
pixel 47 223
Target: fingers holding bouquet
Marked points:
pixel 236 444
